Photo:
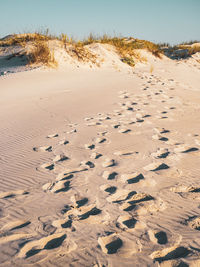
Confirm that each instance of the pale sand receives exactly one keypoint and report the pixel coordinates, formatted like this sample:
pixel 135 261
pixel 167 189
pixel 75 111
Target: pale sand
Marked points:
pixel 100 167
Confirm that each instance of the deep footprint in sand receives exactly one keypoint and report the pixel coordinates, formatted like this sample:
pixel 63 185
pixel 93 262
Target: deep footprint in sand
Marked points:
pixel 132 178
pixel 170 253
pixel 109 175
pixel 158 237
pixel 161 153
pixel 52 135
pixel 60 186
pixel 156 167
pixel 126 222
pixel 43 149
pixel 110 244
pixel 109 163
pixel 89 146
pixel 46 243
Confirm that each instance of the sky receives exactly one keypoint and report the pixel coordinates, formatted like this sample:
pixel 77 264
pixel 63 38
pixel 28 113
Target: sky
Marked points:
pixel 171 21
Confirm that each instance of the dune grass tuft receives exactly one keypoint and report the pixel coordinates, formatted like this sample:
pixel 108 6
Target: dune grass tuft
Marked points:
pixel 42 54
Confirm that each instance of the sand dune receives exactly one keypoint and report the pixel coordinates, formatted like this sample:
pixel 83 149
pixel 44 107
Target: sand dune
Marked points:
pixel 100 166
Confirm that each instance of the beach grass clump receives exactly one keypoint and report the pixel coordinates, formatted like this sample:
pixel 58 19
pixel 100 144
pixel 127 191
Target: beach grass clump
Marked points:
pixel 129 61
pixel 41 54
pixel 80 52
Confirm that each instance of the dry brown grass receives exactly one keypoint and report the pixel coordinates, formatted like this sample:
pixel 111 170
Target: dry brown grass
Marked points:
pixel 125 47
pixel 81 53
pixel 42 54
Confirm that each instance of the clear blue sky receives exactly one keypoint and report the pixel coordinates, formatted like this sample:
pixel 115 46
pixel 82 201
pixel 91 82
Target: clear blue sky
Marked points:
pixel 155 20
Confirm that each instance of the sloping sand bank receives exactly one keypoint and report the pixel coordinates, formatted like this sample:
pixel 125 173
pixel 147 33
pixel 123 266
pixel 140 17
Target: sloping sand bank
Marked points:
pixel 100 167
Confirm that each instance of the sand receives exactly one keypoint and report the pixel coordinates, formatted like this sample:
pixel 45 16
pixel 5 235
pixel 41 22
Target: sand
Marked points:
pixel 100 167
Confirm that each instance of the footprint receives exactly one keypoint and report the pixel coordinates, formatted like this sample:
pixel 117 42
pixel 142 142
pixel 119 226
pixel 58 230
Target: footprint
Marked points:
pixel 60 158
pixel 191 149
pixel 109 163
pixel 184 149
pixel 185 189
pixel 126 222
pixel 48 166
pixel 60 186
pixel 156 167
pixel 67 174
pixel 161 153
pixel 87 164
pixel 110 244
pixel 52 135
pixel 139 197
pixel 109 175
pixel 109 189
pixel 132 178
pixel 46 243
pixel 78 200
pixel 62 223
pixel 124 153
pixel 85 213
pixel 158 237
pixel 64 142
pixel 160 138
pixel 119 196
pixel 43 149
pixel 12 194
pixel 116 126
pixel 95 155
pixel 100 140
pixel 95 123
pixel 124 130
pixel 89 146
pixel 170 253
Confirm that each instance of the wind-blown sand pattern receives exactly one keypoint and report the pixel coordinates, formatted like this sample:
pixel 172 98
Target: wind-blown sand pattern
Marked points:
pixel 100 167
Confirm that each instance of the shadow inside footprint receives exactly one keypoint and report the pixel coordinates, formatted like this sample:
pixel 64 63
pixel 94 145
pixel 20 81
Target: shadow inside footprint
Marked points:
pixel 92 212
pixel 112 175
pixel 130 223
pixel 50 167
pixel 21 226
pixel 164 139
pixel 82 202
pixel 135 179
pixel 130 208
pixel 192 149
pixel 163 155
pixel 55 243
pixel 111 189
pixel 164 131
pixel 146 198
pixel 114 246
pixel 65 188
pixel 162 166
pixel 32 252
pixel 175 254
pixel 67 224
pixel 161 237
pixel 65 209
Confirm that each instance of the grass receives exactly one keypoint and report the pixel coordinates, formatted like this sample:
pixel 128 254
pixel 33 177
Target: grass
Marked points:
pixel 42 54
pixel 127 48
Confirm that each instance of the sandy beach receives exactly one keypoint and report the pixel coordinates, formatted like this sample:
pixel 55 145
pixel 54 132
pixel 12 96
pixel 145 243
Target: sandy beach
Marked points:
pixel 100 166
